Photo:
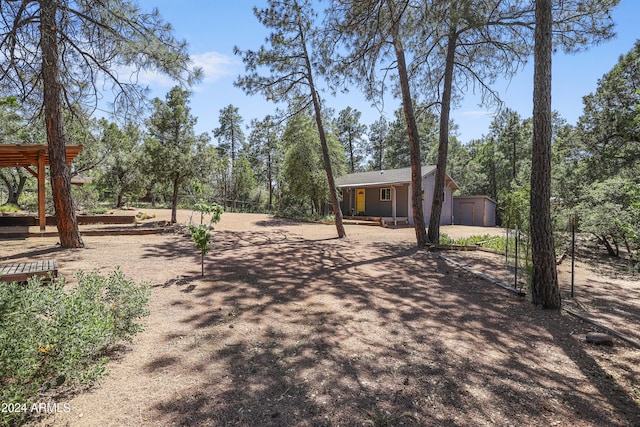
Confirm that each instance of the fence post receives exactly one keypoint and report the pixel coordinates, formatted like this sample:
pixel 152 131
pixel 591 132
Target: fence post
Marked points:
pixel 506 250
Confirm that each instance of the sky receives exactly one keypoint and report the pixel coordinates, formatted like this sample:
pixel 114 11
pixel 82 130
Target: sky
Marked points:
pixel 213 28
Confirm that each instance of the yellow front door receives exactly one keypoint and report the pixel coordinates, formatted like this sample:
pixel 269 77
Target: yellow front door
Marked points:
pixel 360 201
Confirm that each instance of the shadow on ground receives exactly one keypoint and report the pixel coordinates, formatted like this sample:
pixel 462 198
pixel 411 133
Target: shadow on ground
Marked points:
pixel 332 332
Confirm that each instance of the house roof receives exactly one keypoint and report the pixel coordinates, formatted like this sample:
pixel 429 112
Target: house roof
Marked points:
pixel 384 177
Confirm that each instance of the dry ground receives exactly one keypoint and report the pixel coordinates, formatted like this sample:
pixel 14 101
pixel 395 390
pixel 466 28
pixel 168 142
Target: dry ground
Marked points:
pixel 293 327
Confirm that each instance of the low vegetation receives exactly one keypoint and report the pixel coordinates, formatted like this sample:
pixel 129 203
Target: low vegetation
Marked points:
pixel 201 233
pixel 9 208
pixel 53 337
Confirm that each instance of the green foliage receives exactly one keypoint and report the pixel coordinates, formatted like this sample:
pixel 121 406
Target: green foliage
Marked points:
pixel 303 170
pixel 397 150
pixel 86 198
pixel 9 208
pixel 230 136
pixel 611 211
pixel 50 338
pixel 119 172
pixel 173 153
pixel 610 124
pixel 497 243
pixel 595 163
pixel 201 233
pixel 96 39
pixel 515 205
pixel 243 180
pixel 378 132
pixel 266 155
pixel 144 215
pixel 349 132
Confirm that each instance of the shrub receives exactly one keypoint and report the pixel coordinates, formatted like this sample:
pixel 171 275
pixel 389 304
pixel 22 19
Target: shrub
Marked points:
pixel 50 338
pixel 143 215
pixel 9 208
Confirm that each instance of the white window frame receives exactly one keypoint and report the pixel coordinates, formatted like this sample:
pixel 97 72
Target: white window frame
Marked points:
pixel 382 191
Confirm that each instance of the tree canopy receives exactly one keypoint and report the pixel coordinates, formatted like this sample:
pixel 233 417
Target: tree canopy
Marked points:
pixel 173 152
pixel 60 52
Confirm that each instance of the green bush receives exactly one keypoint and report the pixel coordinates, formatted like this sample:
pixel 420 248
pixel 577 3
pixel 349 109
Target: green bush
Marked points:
pixel 50 337
pixel 9 208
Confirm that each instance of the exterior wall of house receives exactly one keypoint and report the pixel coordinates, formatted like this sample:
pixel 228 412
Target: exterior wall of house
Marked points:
pixel 474 210
pixel 402 201
pixel 373 205
pixel 446 216
pixel 348 201
pixel 428 183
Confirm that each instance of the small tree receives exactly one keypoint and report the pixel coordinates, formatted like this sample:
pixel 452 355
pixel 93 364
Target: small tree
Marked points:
pixel 201 234
pixel 173 153
pixel 292 68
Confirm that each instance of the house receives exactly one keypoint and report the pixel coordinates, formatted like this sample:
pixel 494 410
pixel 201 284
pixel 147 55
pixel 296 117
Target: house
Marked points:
pixel 474 210
pixel 387 194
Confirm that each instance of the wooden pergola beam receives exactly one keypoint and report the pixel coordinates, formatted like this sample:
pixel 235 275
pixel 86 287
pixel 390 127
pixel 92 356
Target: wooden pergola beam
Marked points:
pixel 28 157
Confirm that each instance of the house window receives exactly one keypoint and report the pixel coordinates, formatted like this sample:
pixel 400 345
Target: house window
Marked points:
pixel 385 194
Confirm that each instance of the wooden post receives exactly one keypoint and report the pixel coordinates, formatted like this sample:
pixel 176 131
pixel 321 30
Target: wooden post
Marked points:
pixel 42 215
pixel 393 205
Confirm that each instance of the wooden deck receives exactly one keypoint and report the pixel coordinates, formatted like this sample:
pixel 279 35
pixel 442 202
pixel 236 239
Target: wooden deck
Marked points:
pixel 22 271
pixel 376 220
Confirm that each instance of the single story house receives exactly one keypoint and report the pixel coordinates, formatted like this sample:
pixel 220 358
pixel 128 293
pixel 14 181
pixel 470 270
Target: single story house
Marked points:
pixel 474 210
pixel 387 194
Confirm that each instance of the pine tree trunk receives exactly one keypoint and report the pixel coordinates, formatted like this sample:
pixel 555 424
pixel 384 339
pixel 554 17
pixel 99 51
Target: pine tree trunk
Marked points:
pixel 544 290
pixel 270 183
pixel 59 170
pixel 326 156
pixel 443 144
pixel 174 201
pixel 414 141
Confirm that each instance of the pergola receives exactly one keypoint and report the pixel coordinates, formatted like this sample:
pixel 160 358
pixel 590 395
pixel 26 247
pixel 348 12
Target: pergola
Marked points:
pixel 34 158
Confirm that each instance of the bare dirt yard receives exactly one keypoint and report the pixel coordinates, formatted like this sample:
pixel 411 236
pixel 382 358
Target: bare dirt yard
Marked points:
pixel 291 326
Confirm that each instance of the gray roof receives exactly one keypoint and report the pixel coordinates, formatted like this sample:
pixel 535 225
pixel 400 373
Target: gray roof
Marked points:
pixel 384 177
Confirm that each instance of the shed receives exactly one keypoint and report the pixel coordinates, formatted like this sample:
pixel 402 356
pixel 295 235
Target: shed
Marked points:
pixel 474 210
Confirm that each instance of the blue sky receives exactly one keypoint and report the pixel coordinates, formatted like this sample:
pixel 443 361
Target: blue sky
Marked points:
pixel 213 28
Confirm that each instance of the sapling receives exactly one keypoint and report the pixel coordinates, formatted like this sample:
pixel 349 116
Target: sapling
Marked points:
pixel 201 234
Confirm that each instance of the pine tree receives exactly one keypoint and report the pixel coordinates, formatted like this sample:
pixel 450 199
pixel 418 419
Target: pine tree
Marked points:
pixel 53 47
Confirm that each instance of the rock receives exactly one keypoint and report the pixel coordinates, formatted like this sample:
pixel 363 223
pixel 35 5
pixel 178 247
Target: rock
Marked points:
pixel 599 338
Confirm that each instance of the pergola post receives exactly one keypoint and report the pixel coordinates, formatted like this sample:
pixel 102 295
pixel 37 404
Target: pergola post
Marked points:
pixel 42 214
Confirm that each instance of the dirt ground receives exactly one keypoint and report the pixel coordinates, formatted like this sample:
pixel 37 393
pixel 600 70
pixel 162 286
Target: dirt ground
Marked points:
pixel 291 326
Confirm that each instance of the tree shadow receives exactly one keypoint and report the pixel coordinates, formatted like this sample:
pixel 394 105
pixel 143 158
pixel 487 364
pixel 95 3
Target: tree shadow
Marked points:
pixel 330 332
pixel 31 253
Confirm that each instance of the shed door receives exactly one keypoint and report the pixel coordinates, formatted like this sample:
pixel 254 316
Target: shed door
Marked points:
pixel 467 213
pixel 360 201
